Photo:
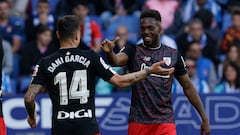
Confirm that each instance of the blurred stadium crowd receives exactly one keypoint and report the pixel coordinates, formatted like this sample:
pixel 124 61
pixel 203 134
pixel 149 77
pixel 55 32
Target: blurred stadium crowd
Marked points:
pixel 206 32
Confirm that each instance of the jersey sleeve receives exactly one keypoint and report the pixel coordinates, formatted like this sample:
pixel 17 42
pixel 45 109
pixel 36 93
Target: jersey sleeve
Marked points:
pixel 39 75
pixel 180 66
pixel 129 50
pixel 102 69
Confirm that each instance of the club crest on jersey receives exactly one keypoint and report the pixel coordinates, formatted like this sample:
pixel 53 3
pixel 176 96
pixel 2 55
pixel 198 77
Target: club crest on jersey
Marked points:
pixel 167 60
pixel 146 58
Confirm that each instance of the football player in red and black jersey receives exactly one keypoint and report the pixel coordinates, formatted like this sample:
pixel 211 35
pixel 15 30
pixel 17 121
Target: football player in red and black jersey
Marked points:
pixel 151 111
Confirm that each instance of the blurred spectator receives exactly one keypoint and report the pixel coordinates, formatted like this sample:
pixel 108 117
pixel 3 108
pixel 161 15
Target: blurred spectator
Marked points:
pixel 65 7
pixel 52 4
pixel 200 85
pixel 205 67
pixel 117 8
pixel 192 6
pixel 209 23
pixel 33 52
pixel 122 33
pixel 196 34
pixel 232 33
pixel 231 81
pixel 232 55
pixel 41 16
pixel 90 31
pixel 103 87
pixel 7 66
pixel 19 7
pixel 231 6
pixel 9 29
pixel 170 12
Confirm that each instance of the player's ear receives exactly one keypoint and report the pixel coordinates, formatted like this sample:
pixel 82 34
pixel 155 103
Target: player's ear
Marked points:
pixel 160 27
pixel 57 33
pixel 77 35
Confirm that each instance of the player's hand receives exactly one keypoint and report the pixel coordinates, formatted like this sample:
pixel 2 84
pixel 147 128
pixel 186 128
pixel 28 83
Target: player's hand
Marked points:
pixel 32 121
pixel 156 68
pixel 107 45
pixel 205 128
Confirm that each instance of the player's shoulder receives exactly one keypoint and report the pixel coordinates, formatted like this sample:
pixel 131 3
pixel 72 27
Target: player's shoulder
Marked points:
pixel 167 48
pixel 55 54
pixel 88 53
pixel 139 45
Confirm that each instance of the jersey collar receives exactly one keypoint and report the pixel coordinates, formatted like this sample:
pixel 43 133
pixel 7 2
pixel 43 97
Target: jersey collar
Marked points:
pixel 152 48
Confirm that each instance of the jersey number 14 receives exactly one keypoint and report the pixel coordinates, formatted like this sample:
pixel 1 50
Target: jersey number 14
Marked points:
pixel 78 87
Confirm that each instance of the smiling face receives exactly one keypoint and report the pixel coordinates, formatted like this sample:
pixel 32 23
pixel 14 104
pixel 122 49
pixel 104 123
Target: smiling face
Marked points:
pixel 150 31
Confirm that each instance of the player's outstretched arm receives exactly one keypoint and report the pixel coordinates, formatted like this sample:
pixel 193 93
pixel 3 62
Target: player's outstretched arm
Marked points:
pixel 195 100
pixel 129 79
pixel 29 100
pixel 119 59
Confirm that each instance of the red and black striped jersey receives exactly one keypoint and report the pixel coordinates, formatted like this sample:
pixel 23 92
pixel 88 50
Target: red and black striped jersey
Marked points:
pixel 151 98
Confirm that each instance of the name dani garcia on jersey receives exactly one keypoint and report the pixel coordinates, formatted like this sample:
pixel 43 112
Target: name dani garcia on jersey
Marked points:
pixel 68 58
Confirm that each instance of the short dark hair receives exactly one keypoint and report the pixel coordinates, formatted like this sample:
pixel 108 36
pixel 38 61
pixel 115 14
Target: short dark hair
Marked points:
pixel 235 12
pixel 42 1
pixel 42 28
pixel 236 68
pixel 195 20
pixel 190 44
pixel 151 13
pixel 5 1
pixel 67 26
pixel 80 2
pixel 205 16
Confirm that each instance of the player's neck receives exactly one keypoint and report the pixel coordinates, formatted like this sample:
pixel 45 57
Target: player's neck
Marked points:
pixel 68 44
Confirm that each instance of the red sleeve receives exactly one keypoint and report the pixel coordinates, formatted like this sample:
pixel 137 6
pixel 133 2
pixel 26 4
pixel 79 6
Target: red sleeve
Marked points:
pixel 96 32
pixel 227 39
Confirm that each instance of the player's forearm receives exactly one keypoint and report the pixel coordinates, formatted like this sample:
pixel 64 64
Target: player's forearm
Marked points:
pixel 29 105
pixel 29 98
pixel 195 100
pixel 192 95
pixel 129 79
